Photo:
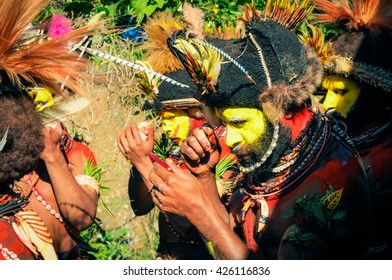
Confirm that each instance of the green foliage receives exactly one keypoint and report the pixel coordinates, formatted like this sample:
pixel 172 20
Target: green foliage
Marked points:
pixel 223 165
pixel 108 246
pixel 146 7
pixel 162 146
pixel 314 218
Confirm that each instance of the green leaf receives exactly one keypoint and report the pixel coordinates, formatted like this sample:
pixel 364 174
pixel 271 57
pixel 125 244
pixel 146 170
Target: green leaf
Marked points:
pixel 223 165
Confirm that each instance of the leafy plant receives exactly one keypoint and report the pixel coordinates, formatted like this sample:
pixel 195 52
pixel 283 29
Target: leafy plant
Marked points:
pixel 163 146
pixel 315 217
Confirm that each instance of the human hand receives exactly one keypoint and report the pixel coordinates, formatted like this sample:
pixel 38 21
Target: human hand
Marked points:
pixel 177 191
pixel 201 150
pixel 131 144
pixel 52 140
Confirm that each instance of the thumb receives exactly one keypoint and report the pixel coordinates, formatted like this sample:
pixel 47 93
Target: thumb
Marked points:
pixel 174 167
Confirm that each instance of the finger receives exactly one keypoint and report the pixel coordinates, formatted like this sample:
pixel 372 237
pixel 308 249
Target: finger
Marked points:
pixel 157 199
pixel 122 144
pixel 210 134
pixel 192 149
pixel 155 179
pixel 158 188
pixel 203 138
pixel 174 167
pixel 150 134
pixel 135 132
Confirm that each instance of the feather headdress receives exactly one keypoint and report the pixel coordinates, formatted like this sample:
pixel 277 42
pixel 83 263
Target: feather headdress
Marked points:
pixel 362 49
pixel 158 29
pixel 287 13
pixel 269 68
pixel 36 59
pixel 373 15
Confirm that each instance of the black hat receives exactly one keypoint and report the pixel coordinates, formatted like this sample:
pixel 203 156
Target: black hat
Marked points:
pixel 169 96
pixel 269 69
pixel 362 49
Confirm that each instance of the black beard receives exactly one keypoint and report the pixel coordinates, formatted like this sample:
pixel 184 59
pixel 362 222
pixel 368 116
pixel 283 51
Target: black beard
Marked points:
pixel 249 155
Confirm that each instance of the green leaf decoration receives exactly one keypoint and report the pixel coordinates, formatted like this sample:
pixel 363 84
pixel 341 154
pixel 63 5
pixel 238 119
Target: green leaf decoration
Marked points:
pixel 339 215
pixel 96 172
pixel 298 236
pixel 223 165
pixel 163 146
pixel 316 214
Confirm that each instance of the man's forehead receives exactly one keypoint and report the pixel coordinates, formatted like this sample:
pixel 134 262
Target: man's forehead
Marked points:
pixel 337 82
pixel 236 112
pixel 172 113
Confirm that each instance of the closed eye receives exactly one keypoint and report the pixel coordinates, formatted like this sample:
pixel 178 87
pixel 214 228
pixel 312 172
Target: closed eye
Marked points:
pixel 340 91
pixel 238 122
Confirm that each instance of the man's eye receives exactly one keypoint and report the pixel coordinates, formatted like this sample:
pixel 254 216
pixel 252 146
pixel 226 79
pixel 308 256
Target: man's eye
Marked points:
pixel 341 91
pixel 239 122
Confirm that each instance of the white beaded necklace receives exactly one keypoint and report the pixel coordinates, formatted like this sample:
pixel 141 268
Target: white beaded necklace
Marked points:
pixel 47 205
pixel 8 255
pixel 42 200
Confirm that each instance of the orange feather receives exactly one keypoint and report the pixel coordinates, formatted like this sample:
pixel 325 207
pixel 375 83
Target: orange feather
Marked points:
pixel 370 14
pixel 38 60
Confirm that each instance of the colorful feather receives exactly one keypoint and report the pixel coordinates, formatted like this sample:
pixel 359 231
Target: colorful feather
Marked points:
pixel 147 81
pixel 37 60
pixel 290 14
pixel 202 63
pixel 158 29
pixel 316 40
pixel 357 14
pixel 59 25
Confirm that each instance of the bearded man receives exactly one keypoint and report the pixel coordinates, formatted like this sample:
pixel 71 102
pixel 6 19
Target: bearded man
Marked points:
pixel 180 113
pixel 303 193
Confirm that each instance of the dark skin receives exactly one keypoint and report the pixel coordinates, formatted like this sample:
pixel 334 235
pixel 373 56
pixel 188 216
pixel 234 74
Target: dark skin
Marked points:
pixel 77 203
pixel 136 151
pixel 203 208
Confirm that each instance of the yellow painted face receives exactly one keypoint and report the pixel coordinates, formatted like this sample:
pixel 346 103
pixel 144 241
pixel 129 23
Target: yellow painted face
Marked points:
pixel 244 125
pixel 176 124
pixel 341 94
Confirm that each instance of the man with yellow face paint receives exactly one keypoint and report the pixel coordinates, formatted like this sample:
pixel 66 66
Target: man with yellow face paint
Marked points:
pixel 303 192
pixel 176 124
pixel 181 113
pixel 341 95
pixel 358 85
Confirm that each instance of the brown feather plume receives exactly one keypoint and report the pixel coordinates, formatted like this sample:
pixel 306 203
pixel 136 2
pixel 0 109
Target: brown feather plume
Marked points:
pixel 194 20
pixel 38 60
pixel 370 14
pixel 159 28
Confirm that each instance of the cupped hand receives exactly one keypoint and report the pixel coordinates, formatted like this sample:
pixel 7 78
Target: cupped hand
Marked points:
pixel 201 151
pixel 52 139
pixel 177 192
pixel 133 147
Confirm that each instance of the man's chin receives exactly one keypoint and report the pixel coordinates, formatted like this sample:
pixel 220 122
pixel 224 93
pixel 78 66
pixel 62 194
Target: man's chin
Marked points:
pixel 243 158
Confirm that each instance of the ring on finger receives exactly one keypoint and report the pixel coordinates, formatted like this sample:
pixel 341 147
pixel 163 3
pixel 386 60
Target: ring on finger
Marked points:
pixel 158 188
